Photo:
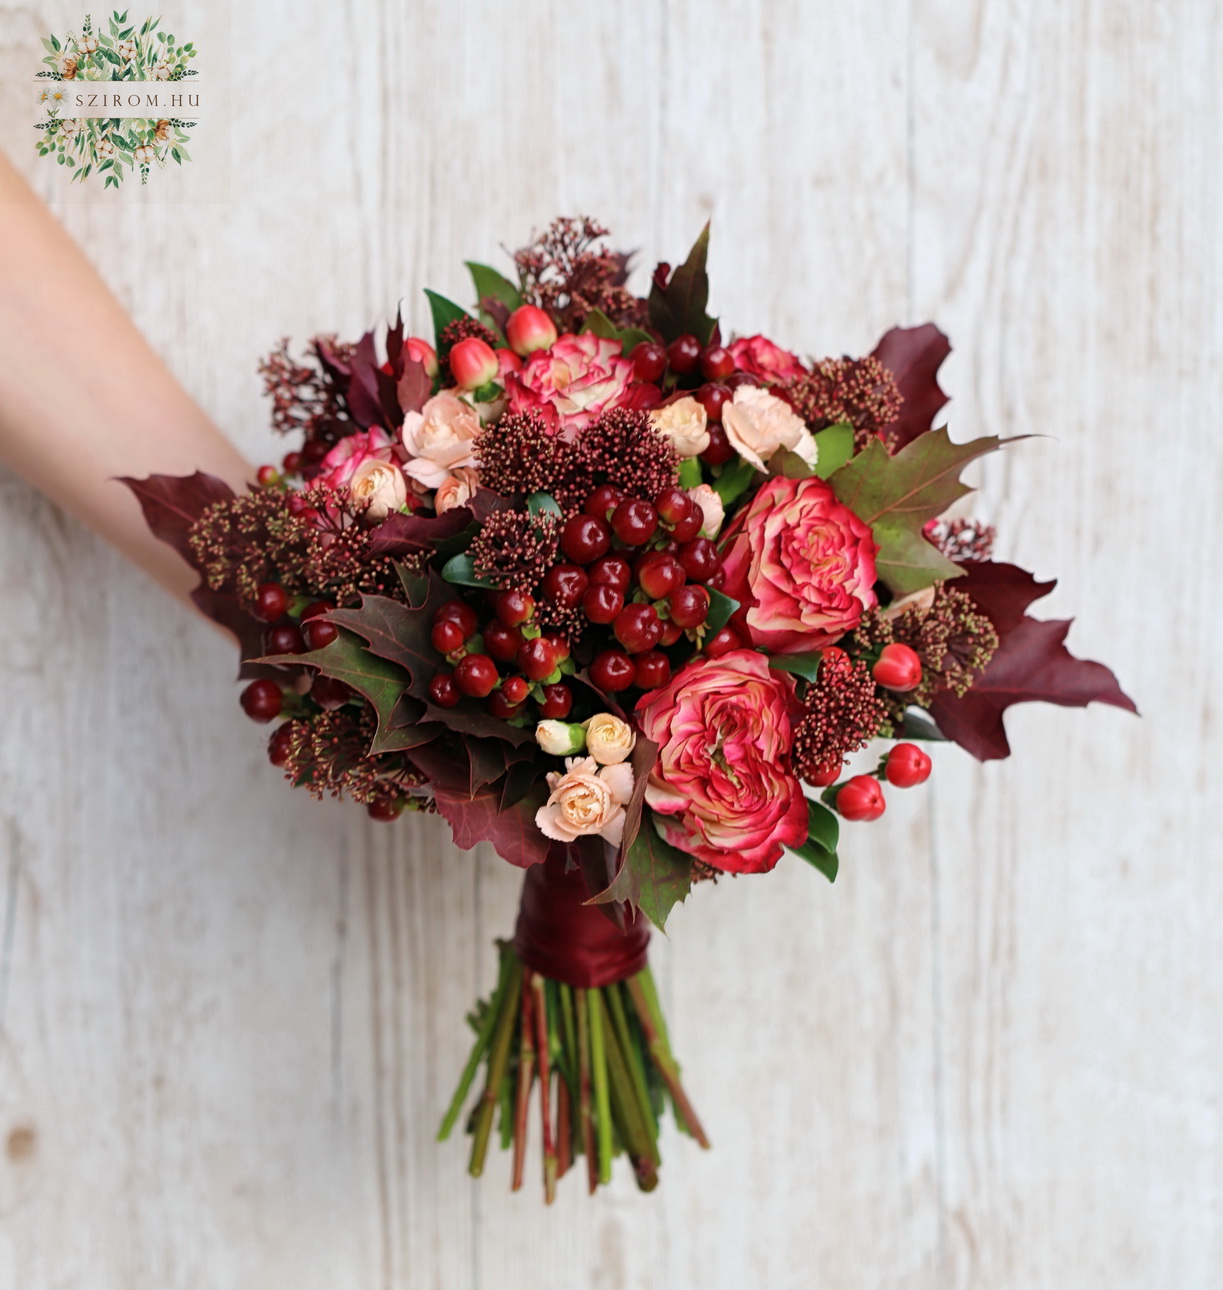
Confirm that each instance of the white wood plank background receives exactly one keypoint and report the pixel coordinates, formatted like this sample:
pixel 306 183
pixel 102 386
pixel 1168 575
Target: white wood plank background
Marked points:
pixel 991 1055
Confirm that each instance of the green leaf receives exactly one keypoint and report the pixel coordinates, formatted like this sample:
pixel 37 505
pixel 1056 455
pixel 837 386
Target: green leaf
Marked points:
pixel 721 608
pixel 917 725
pixel 690 472
pixel 599 324
pixel 654 877
pixel 736 478
pixel 789 465
pixel 460 571
pixel 349 660
pixel 819 858
pixel 444 312
pixel 836 447
pixel 679 307
pixel 805 665
pixel 897 495
pixel 543 504
pixel 489 283
pixel 822 826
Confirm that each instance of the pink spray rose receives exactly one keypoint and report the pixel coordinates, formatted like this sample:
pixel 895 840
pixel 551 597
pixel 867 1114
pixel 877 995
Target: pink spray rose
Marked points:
pixel 800 564
pixel 722 789
pixel 440 438
pixel 575 381
pixel 340 465
pixel 758 356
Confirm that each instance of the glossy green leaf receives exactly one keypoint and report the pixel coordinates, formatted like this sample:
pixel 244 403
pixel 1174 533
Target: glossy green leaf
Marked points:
pixel 599 324
pixel 721 608
pixel 805 665
pixel 654 877
pixel 836 447
pixel 489 283
pixel 736 478
pixel 444 312
pixel 543 504
pixel 460 571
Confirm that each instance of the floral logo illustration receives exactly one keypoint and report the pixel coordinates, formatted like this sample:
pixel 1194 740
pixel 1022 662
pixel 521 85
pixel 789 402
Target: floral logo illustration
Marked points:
pixel 112 146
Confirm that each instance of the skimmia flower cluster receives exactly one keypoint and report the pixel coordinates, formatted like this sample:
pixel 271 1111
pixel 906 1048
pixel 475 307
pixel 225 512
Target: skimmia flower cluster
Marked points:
pixel 622 595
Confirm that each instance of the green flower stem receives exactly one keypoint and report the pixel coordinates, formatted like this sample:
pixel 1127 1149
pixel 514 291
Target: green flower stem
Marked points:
pixel 598 1055
pixel 585 1119
pixel 642 1150
pixel 498 1064
pixel 526 1077
pixel 539 1007
pixel 633 1063
pixel 645 997
pixel 483 1038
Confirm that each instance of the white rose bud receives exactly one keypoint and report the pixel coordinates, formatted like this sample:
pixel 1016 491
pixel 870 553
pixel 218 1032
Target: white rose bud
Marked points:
pixel 560 738
pixel 684 423
pixel 379 488
pixel 711 508
pixel 609 740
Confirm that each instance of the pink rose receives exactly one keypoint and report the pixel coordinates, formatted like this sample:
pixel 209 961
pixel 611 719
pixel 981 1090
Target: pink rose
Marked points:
pixel 340 465
pixel 456 490
pixel 577 380
pixel 758 356
pixel 379 488
pixel 440 438
pixel 722 789
pixel 586 799
pixel 801 566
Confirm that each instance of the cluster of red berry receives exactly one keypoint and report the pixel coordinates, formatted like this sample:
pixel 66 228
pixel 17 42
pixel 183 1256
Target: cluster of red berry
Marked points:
pixel 292 629
pixel 708 371
pixel 861 796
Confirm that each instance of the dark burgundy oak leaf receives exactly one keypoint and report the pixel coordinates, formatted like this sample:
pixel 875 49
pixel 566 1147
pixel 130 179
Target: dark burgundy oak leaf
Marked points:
pixel 1003 592
pixel 1032 664
pixel 172 504
pixel 413 387
pixel 483 817
pixel 913 355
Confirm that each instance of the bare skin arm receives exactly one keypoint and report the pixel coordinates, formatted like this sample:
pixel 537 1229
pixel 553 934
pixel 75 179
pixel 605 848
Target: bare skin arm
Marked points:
pixel 83 398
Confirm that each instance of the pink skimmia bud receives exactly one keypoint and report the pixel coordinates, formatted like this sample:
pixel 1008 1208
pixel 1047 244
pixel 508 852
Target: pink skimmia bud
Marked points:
pixel 420 351
pixel 473 363
pixel 529 329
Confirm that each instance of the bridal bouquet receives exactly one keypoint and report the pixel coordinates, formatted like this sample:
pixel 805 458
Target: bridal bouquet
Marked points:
pixel 620 595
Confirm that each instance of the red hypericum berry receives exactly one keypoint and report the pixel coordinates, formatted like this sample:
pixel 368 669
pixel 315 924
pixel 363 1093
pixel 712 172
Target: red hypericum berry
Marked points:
pixel 529 329
pixel 860 798
pixel 502 642
pixel 584 538
pixel 292 463
pixel 385 809
pixel 443 691
pixel 649 362
pixel 475 675
pixel 284 638
pixel 329 693
pixel 271 601
pixel 501 706
pixel 565 584
pixel 603 501
pixel 262 700
pixel 713 398
pixel 266 475
pixel 700 559
pixel 318 633
pixel 278 744
pixel 684 354
pixel 515 688
pixel 537 658
pixel 689 605
pixel 716 363
pixel 672 505
pixel 651 670
pixel 557 702
pixel 612 570
pixel 898 668
pixel 659 574
pixel 314 450
pixel 906 766
pixel 447 635
pixel 719 451
pixel 473 363
pixel 612 670
pixel 635 521
pixel 687 528
pixel 507 362
pixel 314 609
pixel 671 632
pixel 822 776
pixel 461 613
pixel 601 602
pixel 638 628
pixel 722 642
pixel 514 607
pixel 738 379
pixel 420 351
pixel 559 643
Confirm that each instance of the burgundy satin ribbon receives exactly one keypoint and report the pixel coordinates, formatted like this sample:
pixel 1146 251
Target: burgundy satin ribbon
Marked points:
pixel 563 938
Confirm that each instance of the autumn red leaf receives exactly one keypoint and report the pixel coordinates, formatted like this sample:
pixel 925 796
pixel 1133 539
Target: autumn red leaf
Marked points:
pixel 913 355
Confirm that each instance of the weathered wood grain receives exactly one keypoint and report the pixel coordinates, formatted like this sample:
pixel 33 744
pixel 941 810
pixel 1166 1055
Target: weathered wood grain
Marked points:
pixel 988 1056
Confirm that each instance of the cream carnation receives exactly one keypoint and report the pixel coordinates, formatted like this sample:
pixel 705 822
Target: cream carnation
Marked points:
pixel 587 799
pixel 758 424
